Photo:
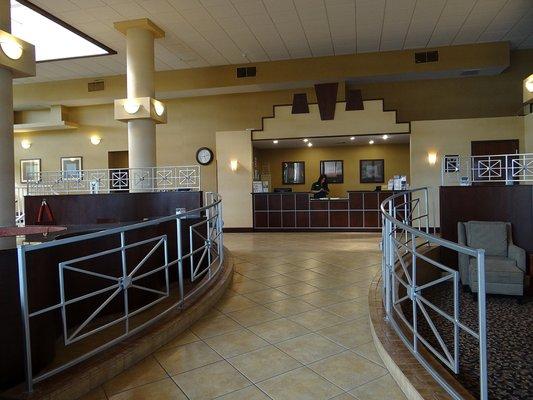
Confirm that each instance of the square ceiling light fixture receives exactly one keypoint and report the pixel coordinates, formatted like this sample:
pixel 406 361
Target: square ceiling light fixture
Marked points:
pixel 53 38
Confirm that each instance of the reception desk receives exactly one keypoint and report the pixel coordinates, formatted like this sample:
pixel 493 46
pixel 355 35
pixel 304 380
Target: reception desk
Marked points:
pixel 298 211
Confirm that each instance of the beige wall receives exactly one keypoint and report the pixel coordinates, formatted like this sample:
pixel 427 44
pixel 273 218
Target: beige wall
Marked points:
pixel 396 158
pixel 235 187
pixel 528 133
pixel 373 119
pixel 454 136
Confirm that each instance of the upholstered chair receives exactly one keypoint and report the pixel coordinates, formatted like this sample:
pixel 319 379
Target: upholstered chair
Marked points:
pixel 505 263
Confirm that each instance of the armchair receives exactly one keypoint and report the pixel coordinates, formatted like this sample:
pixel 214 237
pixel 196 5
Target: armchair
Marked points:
pixel 505 263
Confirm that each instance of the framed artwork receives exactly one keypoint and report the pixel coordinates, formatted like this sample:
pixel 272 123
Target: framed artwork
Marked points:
pixel 71 167
pixel 372 171
pixel 293 172
pixel 333 169
pixel 30 170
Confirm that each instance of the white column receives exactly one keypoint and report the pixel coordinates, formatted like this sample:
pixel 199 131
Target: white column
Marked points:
pixel 7 156
pixel 141 132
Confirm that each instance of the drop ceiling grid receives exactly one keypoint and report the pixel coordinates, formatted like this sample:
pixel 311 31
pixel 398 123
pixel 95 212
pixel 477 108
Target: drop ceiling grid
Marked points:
pixel 219 32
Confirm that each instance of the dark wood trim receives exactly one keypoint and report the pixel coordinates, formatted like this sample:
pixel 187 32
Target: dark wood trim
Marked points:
pixel 354 100
pixel 326 94
pixel 300 105
pixel 238 230
pixel 65 25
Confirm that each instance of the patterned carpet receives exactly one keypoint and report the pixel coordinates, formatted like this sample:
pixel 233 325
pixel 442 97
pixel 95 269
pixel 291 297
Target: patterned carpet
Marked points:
pixel 509 336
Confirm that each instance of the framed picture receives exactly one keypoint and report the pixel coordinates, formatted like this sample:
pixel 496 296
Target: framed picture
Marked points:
pixel 333 169
pixel 372 171
pixel 30 170
pixel 293 172
pixel 71 167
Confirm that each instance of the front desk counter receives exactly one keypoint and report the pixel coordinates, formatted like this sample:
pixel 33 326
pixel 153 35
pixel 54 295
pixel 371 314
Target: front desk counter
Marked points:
pixel 298 211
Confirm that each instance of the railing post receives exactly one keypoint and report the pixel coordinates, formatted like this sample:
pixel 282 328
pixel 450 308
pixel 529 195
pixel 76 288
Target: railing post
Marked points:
pixel 414 293
pixel 179 250
pixel 390 263
pixel 24 308
pixel 125 282
pixel 482 320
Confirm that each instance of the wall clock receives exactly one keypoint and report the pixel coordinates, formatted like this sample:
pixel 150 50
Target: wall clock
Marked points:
pixel 204 156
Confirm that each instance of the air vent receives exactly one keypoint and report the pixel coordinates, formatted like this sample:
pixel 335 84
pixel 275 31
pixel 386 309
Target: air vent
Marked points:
pixel 95 86
pixel 470 72
pixel 426 56
pixel 246 72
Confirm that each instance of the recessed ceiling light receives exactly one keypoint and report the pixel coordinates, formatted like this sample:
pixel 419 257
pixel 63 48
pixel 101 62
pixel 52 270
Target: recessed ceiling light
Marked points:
pixel 352 138
pixel 306 140
pixel 370 141
pixel 275 141
pixel 309 144
pixel 385 137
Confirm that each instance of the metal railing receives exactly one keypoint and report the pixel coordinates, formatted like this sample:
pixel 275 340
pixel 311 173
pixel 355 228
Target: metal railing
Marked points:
pixel 506 168
pixel 153 179
pixel 20 192
pixel 196 250
pixel 406 241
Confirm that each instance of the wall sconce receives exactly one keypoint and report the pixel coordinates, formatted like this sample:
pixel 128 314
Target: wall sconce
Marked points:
pixel 432 158
pixel 11 48
pixel 131 107
pixel 233 164
pixel 159 107
pixel 96 140
pixel 529 84
pixel 25 144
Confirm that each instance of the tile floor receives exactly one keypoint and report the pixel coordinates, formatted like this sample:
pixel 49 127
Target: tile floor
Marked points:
pixel 293 326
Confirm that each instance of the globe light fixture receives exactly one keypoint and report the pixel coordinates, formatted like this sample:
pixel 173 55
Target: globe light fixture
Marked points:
pixel 131 107
pixel 96 140
pixel 25 144
pixel 11 48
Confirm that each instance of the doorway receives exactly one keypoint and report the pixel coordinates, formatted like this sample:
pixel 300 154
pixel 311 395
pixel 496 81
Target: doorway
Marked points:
pixel 495 167
pixel 118 164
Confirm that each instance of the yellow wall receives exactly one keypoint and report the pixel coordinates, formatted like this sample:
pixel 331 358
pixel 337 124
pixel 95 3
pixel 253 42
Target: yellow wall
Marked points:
pixel 454 136
pixel 396 158
pixel 235 187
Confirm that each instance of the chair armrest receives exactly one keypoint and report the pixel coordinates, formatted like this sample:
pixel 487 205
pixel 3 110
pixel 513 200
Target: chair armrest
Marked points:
pixel 519 255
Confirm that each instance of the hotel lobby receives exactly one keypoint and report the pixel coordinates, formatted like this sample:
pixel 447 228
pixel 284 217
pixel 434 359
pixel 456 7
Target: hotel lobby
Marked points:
pixel 266 199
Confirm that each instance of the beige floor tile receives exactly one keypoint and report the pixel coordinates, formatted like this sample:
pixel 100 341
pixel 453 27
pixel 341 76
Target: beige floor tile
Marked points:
pixel 211 381
pixel 291 306
pixel 346 396
pixel 187 357
pixel 234 303
pixel 297 289
pixel 264 363
pixel 304 275
pixel 309 348
pixel 211 327
pixel 349 309
pixel 348 370
pixel 321 298
pixel 276 280
pixel 165 389
pixel 212 313
pixel 145 371
pixel 261 272
pixel 299 384
pixel 351 292
pixel 253 315
pixel 382 388
pixel 368 350
pixel 95 394
pixel 349 334
pixel 328 283
pixel 247 286
pixel 235 343
pixel 286 267
pixel 279 330
pixel 267 296
pixel 183 338
pixel 317 319
pixel 249 393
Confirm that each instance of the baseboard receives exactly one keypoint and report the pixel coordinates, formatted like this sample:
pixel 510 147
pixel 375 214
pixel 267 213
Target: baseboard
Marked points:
pixel 238 230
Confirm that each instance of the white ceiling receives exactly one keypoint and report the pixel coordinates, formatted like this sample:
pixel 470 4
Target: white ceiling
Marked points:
pixel 332 141
pixel 203 33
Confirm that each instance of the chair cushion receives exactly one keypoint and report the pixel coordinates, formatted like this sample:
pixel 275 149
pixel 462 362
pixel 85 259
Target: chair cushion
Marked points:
pixel 488 235
pixel 498 270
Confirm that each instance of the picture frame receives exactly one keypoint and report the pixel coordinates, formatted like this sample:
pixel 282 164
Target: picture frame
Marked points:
pixel 372 171
pixel 333 169
pixel 71 168
pixel 30 166
pixel 293 172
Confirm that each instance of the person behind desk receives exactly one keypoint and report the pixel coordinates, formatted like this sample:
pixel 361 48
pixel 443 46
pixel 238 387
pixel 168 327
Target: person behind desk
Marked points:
pixel 320 187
